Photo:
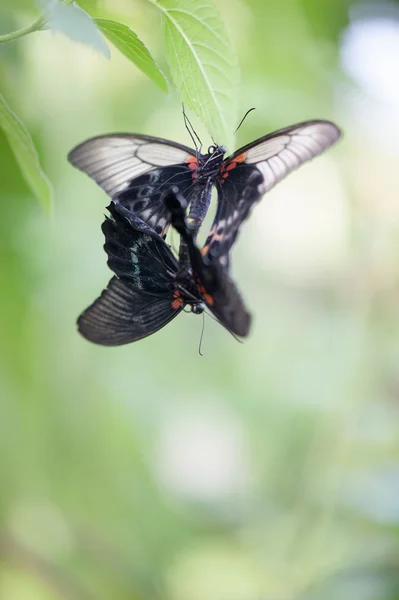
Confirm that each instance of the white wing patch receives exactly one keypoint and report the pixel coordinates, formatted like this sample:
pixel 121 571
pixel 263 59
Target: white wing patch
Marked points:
pixel 288 149
pixel 161 155
pixel 113 161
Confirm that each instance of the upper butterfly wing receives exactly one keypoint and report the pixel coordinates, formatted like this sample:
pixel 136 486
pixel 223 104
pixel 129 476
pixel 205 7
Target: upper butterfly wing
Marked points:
pixel 124 314
pixel 255 169
pixel 136 168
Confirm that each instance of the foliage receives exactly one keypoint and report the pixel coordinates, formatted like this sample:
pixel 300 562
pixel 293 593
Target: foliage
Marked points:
pixel 199 54
pixel 25 153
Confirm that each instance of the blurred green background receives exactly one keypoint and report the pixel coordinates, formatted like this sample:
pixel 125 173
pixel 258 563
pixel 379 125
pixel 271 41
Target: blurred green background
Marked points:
pixel 263 471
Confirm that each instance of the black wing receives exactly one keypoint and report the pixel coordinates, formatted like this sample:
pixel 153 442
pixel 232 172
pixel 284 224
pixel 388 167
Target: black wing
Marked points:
pixel 214 285
pixel 136 168
pixel 124 314
pixel 221 295
pixel 144 195
pixel 140 300
pixel 139 257
pixel 255 169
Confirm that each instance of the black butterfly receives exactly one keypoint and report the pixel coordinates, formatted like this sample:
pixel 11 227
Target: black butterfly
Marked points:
pixel 138 169
pixel 151 287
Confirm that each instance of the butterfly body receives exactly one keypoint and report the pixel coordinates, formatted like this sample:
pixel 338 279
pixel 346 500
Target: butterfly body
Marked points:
pixel 206 170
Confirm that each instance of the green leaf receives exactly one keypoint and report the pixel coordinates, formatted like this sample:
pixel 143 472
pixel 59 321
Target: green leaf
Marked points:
pixel 25 153
pixel 202 62
pixel 74 22
pixel 133 48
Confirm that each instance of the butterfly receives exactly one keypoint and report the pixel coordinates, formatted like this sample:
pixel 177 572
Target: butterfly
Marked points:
pixel 137 170
pixel 151 286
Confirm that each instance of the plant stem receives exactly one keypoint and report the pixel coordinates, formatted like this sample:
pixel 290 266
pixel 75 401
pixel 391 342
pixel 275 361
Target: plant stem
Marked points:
pixel 35 26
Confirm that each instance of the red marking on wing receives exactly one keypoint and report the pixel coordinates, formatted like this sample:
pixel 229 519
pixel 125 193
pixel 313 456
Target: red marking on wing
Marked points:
pixel 192 164
pixel 240 158
pixel 230 165
pixel 178 300
pixel 207 297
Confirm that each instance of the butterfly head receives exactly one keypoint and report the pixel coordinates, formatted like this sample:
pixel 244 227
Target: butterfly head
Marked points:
pixel 211 162
pixel 198 308
pixel 187 293
pixel 217 150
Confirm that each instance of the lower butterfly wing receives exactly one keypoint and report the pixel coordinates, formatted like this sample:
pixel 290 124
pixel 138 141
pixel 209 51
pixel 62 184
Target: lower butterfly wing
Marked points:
pixel 123 314
pixel 254 170
pixel 214 285
pixel 138 256
pixel 221 295
pixel 136 168
pixel 141 299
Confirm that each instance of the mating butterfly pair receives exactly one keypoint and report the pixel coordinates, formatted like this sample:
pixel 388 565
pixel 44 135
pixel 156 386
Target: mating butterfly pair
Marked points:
pixel 151 181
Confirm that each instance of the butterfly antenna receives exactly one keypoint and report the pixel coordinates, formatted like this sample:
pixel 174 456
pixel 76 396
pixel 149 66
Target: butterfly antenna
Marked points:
pixel 237 339
pixel 193 134
pixel 202 335
pixel 244 117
